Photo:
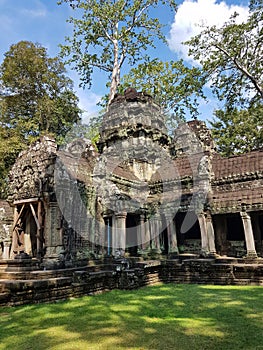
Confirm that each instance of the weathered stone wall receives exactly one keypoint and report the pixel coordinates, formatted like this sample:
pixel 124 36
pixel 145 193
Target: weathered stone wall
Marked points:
pixel 33 172
pixel 49 286
pixel 237 183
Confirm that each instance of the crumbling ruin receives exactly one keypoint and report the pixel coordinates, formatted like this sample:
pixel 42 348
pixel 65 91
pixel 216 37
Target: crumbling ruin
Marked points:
pixel 143 194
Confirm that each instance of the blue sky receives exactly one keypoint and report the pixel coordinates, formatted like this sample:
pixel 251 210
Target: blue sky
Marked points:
pixel 43 21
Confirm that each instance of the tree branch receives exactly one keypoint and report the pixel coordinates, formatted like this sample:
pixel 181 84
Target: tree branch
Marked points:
pixel 242 69
pixel 136 17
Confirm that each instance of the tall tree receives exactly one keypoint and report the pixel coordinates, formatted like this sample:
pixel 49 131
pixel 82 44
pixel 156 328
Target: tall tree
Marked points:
pixel 35 93
pixel 232 58
pixel 36 96
pixel 232 62
pixel 108 33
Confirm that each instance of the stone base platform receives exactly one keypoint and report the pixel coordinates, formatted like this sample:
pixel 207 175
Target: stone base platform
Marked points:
pixel 26 285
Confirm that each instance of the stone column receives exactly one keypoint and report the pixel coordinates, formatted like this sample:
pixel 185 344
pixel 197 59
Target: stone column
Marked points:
pixel 141 233
pixel 147 240
pixel 6 250
pixel 155 233
pixel 144 238
pixel 39 230
pixel 53 237
pixel 171 232
pixel 204 237
pixel 108 234
pixel 14 245
pixel 210 234
pixel 113 235
pixel 250 243
pixel 120 233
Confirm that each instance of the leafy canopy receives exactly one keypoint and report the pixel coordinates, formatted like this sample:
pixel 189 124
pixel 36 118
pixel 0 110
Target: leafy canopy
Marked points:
pixel 238 131
pixel 232 62
pixel 108 33
pixel 36 95
pixel 232 58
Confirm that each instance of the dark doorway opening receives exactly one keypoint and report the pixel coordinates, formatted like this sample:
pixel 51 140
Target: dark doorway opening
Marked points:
pixel 132 230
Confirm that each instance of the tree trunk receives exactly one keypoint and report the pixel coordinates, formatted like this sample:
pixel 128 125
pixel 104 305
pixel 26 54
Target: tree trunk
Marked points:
pixel 115 77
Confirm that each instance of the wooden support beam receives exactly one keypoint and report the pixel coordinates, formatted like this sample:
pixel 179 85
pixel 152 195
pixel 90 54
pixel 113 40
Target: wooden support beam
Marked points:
pixel 24 201
pixel 35 217
pixel 18 217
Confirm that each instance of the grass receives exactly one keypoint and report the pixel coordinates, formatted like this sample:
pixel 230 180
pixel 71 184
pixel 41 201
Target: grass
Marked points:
pixel 161 317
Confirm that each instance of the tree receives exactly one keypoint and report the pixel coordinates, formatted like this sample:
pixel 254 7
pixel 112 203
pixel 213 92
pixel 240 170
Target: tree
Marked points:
pixel 35 97
pixel 232 61
pixel 232 58
pixel 237 131
pixel 175 86
pixel 109 33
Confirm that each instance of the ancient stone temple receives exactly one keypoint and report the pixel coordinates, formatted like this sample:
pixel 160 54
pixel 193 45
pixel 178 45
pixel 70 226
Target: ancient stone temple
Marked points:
pixel 140 193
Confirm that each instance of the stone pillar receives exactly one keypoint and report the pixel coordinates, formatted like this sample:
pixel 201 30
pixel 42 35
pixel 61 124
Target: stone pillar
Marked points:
pixel 204 237
pixel 108 235
pixel 53 237
pixel 210 234
pixel 14 246
pixel 144 238
pixel 113 235
pixel 250 243
pixel 6 250
pixel 155 233
pixel 147 240
pixel 27 236
pixel 39 230
pixel 171 232
pixel 141 233
pixel 119 239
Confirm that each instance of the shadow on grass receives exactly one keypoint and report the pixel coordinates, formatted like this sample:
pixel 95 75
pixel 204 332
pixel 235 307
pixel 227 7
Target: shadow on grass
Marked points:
pixel 157 318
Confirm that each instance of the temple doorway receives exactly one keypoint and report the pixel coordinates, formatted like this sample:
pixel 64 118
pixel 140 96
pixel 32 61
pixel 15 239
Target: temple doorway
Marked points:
pixel 28 228
pixel 188 232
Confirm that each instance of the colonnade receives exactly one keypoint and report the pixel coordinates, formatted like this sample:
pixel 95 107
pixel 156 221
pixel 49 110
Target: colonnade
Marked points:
pixel 149 230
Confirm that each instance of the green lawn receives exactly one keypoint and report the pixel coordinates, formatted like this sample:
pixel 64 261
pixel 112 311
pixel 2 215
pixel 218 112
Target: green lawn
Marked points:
pixel 156 318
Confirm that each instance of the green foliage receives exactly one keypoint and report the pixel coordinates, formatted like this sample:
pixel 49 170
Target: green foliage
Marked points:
pixel 108 33
pixel 161 317
pixel 11 143
pixel 173 85
pixel 238 131
pixel 36 97
pixel 231 58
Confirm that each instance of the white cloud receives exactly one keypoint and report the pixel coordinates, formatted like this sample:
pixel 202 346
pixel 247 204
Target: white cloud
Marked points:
pixel 40 12
pixel 192 13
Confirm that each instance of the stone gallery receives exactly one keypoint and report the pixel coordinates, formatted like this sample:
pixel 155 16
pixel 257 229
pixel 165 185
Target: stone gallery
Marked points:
pixel 142 194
